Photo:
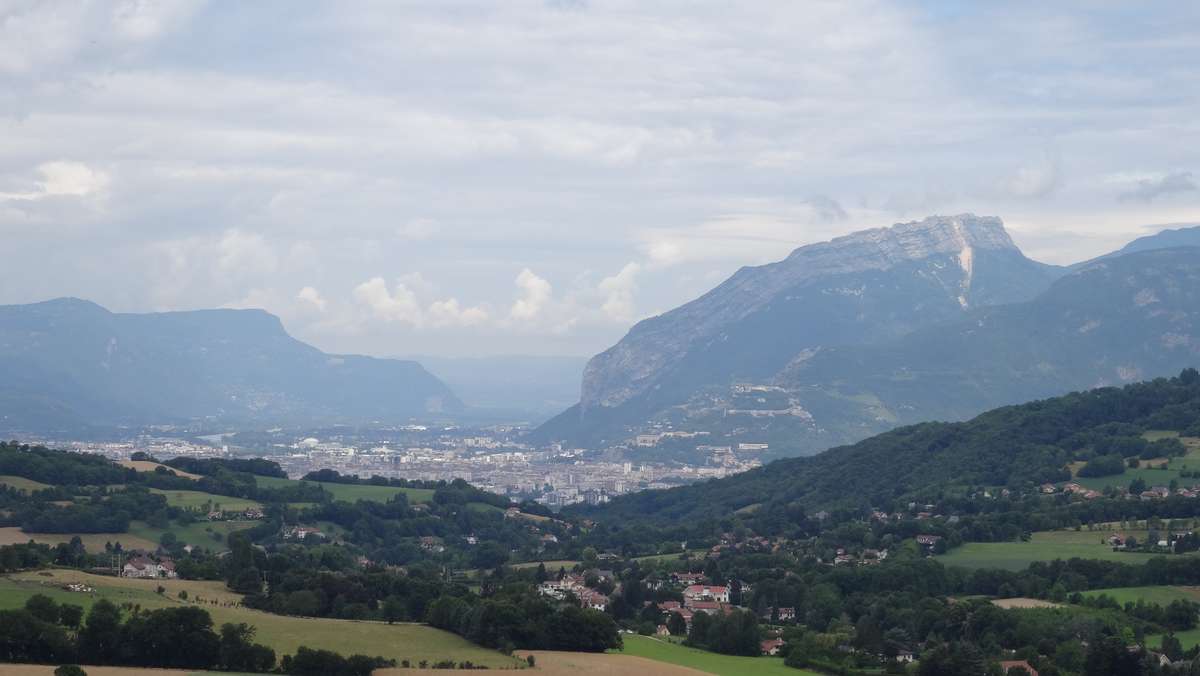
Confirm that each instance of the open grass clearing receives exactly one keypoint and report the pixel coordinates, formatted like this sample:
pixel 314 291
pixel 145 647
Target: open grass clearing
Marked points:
pixel 198 534
pixel 414 642
pixel 1043 546
pixel 1161 595
pixel 661 650
pixel 199 499
pixel 48 670
pixel 354 492
pixel 148 466
pixel 93 542
pixel 551 566
pixel 22 484
pixel 1021 603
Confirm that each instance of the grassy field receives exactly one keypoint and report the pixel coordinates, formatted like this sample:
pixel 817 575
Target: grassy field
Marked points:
pixel 93 542
pixel 197 499
pixel 550 565
pixel 353 492
pixel 1153 477
pixel 1043 546
pixel 399 641
pixel 148 466
pixel 47 670
pixel 655 558
pixel 1160 595
pixel 199 534
pixel 22 484
pixel 724 665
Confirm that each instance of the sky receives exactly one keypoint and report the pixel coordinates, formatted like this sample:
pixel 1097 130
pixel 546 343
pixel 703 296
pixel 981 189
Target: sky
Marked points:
pixel 533 177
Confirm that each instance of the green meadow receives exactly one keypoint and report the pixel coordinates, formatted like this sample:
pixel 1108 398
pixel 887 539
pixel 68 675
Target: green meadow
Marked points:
pixel 355 492
pixel 412 642
pixel 1043 546
pixel 702 660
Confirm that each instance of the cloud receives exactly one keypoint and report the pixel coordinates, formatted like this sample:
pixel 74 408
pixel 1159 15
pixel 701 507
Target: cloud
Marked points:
pixel 63 179
pixel 1035 180
pixel 418 229
pixel 310 295
pixel 403 305
pixel 1149 189
pixel 535 294
pixel 245 252
pixel 619 290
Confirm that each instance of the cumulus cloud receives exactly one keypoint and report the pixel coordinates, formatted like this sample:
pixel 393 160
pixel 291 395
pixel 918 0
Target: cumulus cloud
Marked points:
pixel 65 179
pixel 313 297
pixel 403 305
pixel 535 294
pixel 1149 189
pixel 618 293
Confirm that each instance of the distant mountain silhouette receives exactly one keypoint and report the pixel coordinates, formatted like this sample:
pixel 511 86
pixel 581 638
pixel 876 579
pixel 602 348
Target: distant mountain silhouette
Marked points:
pixel 69 362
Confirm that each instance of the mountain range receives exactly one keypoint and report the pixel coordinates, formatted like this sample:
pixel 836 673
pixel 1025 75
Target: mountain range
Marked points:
pixel 70 363
pixel 932 320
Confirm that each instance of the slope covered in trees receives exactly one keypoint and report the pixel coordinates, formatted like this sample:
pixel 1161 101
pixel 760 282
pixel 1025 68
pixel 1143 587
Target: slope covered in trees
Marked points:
pixel 1014 446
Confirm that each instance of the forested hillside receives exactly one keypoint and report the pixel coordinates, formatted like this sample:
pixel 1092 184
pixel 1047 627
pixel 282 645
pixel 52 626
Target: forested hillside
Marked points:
pixel 1015 446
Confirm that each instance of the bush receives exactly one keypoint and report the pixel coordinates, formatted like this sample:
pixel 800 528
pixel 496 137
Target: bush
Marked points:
pixel 70 670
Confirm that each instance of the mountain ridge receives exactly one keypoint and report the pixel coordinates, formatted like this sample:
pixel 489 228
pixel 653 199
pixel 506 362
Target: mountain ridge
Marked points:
pixel 72 362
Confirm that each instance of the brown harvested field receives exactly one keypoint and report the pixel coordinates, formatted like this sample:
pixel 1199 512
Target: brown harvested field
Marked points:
pixel 147 466
pixel 1024 603
pixel 94 542
pixel 551 663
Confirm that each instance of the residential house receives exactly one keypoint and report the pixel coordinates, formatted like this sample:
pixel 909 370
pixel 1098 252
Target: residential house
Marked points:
pixel 1019 664
pixel 772 646
pixel 701 592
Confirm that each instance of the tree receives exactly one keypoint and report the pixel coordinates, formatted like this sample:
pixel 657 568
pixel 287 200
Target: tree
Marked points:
pixel 676 624
pixel 70 615
pixel 43 607
pixel 393 609
pixel 100 638
pixel 239 652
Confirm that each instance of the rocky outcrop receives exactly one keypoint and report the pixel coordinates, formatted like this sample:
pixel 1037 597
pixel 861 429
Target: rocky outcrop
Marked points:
pixel 940 258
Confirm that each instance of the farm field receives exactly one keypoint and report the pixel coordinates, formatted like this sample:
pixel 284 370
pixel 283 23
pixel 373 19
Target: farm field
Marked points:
pixel 148 466
pixel 47 670
pixel 701 660
pixel 1162 595
pixel 550 565
pixel 413 642
pixel 1154 477
pixel 1024 603
pixel 675 556
pixel 197 499
pixel 551 663
pixel 22 484
pixel 199 534
pixel 93 542
pixel 1043 546
pixel 353 492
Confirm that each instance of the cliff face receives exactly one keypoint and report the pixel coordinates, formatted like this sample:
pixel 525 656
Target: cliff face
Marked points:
pixel 861 288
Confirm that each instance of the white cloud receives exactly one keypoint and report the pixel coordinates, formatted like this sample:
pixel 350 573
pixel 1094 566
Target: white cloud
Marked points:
pixel 401 306
pixel 535 294
pixel 418 229
pixel 313 297
pixel 245 253
pixel 404 305
pixel 619 290
pixel 63 179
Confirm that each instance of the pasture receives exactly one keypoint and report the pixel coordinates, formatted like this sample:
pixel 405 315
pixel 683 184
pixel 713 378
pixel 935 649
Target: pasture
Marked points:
pixel 355 492
pixel 22 484
pixel 414 642
pixel 701 660
pixel 148 466
pixel 200 499
pixel 205 534
pixel 93 542
pixel 1161 595
pixel 1043 546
